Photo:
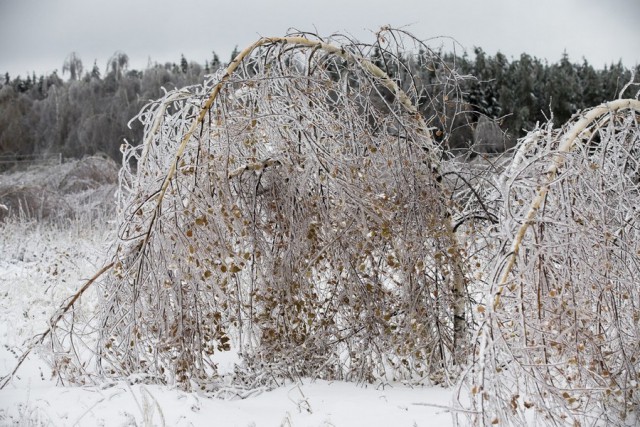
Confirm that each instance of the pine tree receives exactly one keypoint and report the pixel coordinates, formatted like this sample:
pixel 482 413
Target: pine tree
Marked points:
pixel 41 88
pixel 95 71
pixel 234 53
pixel 613 79
pixel 215 61
pixel 184 65
pixel 484 92
pixel 591 85
pixel 517 95
pixel 564 89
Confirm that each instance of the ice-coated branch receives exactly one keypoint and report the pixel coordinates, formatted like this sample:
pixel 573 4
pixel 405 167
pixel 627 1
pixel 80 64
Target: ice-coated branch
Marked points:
pixel 302 41
pixel 566 145
pixel 53 323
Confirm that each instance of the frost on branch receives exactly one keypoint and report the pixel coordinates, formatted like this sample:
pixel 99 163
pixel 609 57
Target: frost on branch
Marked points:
pixel 561 335
pixel 289 208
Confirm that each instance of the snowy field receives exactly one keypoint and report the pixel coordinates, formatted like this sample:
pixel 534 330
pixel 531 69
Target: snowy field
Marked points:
pixel 41 266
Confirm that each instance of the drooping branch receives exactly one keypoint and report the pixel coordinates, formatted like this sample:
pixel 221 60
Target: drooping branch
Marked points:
pixel 53 323
pixel 557 161
pixel 315 44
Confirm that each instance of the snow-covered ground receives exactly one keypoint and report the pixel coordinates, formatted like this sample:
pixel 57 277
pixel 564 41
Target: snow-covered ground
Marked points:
pixel 310 404
pixel 41 266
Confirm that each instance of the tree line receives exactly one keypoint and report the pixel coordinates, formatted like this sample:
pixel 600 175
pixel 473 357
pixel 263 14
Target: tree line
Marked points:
pixel 528 90
pixel 86 111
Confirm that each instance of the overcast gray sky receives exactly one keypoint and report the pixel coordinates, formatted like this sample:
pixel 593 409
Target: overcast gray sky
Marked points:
pixel 37 35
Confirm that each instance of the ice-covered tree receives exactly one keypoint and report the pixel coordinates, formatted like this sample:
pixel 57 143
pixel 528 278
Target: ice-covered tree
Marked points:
pixel 559 335
pixel 73 66
pixel 291 207
pixel 118 64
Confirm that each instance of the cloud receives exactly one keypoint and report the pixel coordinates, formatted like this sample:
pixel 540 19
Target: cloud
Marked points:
pixel 39 34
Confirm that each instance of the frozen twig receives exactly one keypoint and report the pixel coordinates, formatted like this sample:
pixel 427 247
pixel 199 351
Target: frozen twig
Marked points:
pixel 38 339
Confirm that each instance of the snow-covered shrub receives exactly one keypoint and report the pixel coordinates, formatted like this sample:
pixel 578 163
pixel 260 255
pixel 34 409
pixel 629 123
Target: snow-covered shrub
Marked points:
pixel 89 173
pixel 559 342
pixel 74 190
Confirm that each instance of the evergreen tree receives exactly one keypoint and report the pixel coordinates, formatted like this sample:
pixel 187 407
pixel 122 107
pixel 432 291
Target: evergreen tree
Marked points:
pixel 215 61
pixel 518 95
pixel 234 53
pixel 40 86
pixel 483 94
pixel 591 85
pixel 613 80
pixel 28 83
pixel 95 71
pixel 87 114
pixel 184 65
pixel 564 89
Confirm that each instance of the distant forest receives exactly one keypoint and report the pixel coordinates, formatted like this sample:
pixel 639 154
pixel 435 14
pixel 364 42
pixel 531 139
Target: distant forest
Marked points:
pixel 84 112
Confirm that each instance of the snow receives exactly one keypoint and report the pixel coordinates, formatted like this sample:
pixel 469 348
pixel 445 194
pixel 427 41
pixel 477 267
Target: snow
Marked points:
pixel 316 403
pixel 41 266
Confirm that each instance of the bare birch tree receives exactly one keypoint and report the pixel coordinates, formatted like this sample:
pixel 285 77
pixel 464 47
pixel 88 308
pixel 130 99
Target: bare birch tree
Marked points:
pixel 290 207
pixel 559 341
